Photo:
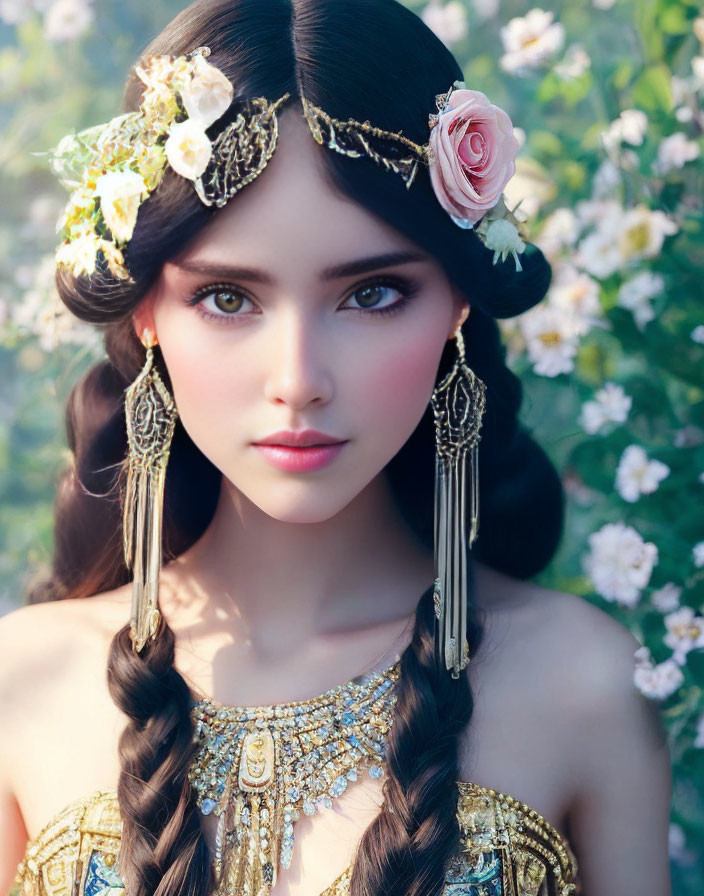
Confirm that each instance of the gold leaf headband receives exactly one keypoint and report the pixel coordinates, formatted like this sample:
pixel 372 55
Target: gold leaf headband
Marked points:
pixel 112 168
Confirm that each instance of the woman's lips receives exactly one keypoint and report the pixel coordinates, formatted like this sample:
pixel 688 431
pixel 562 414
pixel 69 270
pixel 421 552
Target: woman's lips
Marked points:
pixel 300 460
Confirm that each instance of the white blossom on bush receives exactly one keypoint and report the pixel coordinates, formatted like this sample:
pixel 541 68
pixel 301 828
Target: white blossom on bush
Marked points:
pixel 657 682
pixel 530 40
pixel 41 313
pixel 637 475
pixel 14 12
pixel 630 127
pixel 609 405
pixel 635 294
pixel 622 237
pixel 574 63
pixel 485 9
pixel 551 339
pixel 607 178
pixel 67 19
pixel 697 334
pixel 667 598
pixel 448 20
pixel 699 737
pixel 559 230
pixel 576 295
pixel 685 632
pixel 698 554
pixel 674 152
pixel 619 563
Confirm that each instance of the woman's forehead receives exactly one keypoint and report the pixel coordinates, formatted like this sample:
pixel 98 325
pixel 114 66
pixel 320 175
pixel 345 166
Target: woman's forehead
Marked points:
pixel 293 209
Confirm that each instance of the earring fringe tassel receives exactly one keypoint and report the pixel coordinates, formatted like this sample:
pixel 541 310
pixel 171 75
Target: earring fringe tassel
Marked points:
pixel 458 405
pixel 151 418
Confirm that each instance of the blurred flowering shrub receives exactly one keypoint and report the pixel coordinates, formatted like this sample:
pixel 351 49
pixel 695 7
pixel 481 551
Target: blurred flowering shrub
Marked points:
pixel 607 100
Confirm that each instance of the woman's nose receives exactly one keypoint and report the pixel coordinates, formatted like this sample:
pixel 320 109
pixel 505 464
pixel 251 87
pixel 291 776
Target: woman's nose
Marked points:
pixel 297 363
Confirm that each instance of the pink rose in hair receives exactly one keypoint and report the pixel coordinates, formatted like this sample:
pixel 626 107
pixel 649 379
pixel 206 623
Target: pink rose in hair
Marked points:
pixel 472 155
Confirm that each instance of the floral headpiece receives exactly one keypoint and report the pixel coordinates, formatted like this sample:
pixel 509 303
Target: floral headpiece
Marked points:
pixel 112 168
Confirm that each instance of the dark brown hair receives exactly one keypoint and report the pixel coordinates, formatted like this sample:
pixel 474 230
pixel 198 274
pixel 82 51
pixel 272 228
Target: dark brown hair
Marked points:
pixel 340 56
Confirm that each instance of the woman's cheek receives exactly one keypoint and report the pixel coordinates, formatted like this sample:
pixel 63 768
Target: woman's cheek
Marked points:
pixel 398 388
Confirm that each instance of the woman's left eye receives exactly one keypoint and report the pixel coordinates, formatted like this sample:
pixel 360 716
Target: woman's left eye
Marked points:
pixel 228 301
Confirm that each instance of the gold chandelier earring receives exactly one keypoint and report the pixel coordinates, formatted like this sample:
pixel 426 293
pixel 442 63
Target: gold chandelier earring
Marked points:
pixel 458 405
pixel 150 414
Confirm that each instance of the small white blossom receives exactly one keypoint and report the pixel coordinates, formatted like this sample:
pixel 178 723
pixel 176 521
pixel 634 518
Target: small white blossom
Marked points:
pixel 610 405
pixel 698 29
pixel 635 294
pixel 607 178
pixel 667 598
pixel 685 632
pixel 575 62
pixel 41 313
pixel 658 682
pixel 698 554
pixel 598 252
pixel 603 4
pixel 688 435
pixel 642 233
pixel 530 40
pixel 630 127
pixel 188 149
pixel 674 152
pixel 448 21
pixel 576 294
pixel 593 211
pixel 560 229
pixel 551 340
pixel 619 563
pixel 636 475
pixel 698 72
pixel 485 9
pixel 699 738
pixel 697 334
pixel 67 20
pixel 14 12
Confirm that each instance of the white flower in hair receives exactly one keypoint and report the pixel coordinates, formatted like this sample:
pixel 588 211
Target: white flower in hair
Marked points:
pixel 502 236
pixel 188 149
pixel 79 254
pixel 208 94
pixel 121 193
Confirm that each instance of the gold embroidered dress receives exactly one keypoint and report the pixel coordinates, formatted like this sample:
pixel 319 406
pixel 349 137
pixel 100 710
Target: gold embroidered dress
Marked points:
pixel 508 849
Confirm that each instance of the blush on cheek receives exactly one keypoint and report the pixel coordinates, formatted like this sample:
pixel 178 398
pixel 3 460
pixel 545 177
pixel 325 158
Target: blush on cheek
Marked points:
pixel 401 384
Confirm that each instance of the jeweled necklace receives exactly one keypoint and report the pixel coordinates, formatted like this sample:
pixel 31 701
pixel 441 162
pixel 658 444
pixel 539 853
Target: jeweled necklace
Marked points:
pixel 258 767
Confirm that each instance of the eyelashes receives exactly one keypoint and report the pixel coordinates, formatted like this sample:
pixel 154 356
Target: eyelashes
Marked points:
pixel 227 292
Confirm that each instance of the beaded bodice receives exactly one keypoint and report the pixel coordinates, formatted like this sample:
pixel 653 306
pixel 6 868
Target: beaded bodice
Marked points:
pixel 507 849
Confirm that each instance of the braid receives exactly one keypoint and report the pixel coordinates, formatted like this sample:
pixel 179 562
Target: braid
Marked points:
pixel 163 848
pixel 405 850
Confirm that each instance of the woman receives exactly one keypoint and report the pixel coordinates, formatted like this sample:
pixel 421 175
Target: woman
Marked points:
pixel 333 294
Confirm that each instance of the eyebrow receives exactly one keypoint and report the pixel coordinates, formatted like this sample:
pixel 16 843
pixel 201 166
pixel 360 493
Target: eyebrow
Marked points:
pixel 335 272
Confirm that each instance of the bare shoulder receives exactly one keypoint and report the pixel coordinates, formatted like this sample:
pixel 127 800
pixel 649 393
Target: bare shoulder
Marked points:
pixel 44 647
pixel 572 637
pixel 575 662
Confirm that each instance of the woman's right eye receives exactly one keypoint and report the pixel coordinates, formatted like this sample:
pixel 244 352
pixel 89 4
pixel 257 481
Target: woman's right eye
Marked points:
pixel 218 302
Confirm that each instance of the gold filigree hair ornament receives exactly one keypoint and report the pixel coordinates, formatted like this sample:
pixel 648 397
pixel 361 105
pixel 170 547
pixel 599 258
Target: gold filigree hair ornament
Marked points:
pixel 112 168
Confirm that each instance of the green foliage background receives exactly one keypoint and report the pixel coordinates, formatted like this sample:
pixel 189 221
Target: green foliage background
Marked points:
pixel 635 47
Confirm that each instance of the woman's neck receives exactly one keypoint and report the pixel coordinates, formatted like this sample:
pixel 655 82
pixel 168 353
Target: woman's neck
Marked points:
pixel 274 593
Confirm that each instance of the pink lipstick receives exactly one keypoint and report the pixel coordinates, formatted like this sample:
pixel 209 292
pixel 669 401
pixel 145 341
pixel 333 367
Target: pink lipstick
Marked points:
pixel 299 452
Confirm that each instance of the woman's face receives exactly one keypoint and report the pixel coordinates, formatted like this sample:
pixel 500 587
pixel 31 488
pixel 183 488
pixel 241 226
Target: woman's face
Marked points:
pixel 312 335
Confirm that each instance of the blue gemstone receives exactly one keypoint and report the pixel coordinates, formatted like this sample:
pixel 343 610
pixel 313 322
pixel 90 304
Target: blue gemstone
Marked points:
pixel 207 806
